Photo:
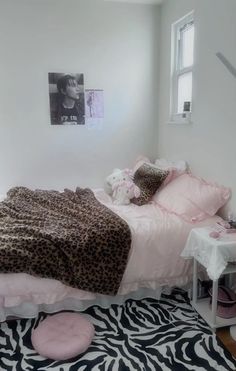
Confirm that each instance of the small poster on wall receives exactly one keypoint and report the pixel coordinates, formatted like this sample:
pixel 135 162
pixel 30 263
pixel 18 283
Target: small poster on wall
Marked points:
pixel 94 108
pixel 66 94
pixel 94 103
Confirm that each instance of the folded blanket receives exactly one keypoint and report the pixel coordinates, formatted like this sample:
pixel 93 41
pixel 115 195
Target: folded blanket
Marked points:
pixel 68 236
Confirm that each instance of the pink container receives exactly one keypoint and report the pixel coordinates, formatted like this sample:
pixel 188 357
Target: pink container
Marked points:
pixel 226 302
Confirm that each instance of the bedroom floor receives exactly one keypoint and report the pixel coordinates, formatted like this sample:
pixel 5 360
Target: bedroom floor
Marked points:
pixel 227 340
pixel 140 335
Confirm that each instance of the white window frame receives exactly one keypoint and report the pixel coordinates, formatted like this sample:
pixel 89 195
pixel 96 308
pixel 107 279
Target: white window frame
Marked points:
pixel 177 70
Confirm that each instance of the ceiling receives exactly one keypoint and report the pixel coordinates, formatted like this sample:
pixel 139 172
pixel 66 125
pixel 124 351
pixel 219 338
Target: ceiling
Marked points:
pixel 139 1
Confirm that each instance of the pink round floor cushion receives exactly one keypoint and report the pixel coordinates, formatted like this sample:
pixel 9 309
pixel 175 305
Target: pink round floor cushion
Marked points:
pixel 62 336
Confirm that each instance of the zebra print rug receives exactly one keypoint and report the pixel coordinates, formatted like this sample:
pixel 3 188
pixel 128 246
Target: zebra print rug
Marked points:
pixel 143 335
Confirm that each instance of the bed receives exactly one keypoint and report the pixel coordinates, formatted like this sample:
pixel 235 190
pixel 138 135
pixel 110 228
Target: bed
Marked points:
pixel 158 235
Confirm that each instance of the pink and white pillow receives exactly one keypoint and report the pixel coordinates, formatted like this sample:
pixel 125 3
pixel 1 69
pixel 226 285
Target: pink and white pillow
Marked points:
pixel 192 198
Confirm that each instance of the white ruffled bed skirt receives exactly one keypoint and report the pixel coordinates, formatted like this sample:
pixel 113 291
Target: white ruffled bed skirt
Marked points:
pixel 31 310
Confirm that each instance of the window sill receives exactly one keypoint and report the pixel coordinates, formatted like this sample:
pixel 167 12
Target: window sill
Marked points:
pixel 186 122
pixel 178 119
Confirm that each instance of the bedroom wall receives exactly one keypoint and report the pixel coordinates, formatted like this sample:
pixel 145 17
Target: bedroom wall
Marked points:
pixel 208 144
pixel 116 46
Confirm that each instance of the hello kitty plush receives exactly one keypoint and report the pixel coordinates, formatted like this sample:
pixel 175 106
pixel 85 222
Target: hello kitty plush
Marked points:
pixel 116 176
pixel 124 191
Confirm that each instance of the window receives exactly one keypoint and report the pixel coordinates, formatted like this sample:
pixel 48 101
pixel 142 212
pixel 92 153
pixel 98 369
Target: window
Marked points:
pixel 182 69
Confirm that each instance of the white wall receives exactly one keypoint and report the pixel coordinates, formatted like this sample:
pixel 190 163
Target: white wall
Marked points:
pixel 116 47
pixel 209 144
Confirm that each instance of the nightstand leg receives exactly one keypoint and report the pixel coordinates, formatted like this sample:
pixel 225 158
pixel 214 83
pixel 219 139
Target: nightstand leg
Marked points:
pixel 214 300
pixel 194 281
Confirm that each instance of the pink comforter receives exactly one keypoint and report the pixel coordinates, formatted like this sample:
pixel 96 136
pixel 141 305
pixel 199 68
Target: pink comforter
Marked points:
pixel 157 241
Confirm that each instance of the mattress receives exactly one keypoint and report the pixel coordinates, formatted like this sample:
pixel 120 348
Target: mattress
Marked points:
pixel 154 261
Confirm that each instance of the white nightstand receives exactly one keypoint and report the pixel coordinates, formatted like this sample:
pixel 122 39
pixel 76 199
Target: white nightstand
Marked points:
pixel 216 255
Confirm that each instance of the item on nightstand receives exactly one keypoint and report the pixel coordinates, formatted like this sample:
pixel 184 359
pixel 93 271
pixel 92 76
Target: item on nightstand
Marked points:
pixel 223 223
pixel 124 191
pixel 221 228
pixel 226 302
pixel 232 224
pixel 116 176
pixel 214 234
pixel 232 219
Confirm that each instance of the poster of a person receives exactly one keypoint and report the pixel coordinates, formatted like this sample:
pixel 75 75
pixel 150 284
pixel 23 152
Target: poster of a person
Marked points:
pixel 66 94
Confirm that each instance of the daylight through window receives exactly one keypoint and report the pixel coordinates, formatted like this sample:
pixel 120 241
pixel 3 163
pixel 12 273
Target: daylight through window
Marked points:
pixel 182 68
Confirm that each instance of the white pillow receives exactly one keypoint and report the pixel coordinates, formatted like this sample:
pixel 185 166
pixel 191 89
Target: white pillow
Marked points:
pixel 180 166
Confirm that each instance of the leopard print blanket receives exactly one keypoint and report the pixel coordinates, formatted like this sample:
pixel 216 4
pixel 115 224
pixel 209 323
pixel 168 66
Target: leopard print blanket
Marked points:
pixel 68 236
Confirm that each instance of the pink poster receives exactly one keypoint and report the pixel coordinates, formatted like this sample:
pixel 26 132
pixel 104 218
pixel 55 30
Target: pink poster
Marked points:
pixel 94 104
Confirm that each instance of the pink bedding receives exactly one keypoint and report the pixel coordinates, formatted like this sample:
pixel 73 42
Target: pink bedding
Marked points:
pixel 157 241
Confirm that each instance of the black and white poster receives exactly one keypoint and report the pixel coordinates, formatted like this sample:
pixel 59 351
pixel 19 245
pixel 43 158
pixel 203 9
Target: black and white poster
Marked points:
pixel 66 94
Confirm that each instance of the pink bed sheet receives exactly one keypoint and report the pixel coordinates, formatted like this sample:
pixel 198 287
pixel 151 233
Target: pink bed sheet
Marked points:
pixel 157 241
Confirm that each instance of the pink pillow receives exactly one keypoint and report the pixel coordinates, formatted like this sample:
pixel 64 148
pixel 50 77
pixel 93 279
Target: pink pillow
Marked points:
pixel 62 336
pixel 192 198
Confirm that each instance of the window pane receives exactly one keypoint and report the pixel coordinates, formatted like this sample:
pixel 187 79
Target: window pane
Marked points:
pixel 187 46
pixel 184 90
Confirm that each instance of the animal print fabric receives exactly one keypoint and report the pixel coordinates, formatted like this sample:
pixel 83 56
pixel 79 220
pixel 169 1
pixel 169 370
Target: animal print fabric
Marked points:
pixel 68 236
pixel 140 335
pixel 148 178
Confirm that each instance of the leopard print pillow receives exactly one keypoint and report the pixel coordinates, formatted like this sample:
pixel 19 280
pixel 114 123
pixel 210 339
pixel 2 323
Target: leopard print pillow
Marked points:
pixel 148 178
